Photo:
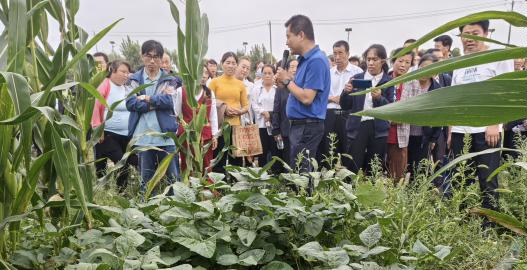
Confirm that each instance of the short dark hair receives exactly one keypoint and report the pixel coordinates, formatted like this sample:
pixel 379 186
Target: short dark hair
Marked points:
pixel 289 63
pixel 445 40
pixel 342 43
pixel 396 51
pixel 103 55
pixel 114 65
pixel 331 57
pixel 212 62
pixel 152 45
pixel 428 57
pixel 432 50
pixel 484 24
pixel 227 55
pixel 380 51
pixel 354 59
pixel 410 40
pixel 301 23
pixel 269 66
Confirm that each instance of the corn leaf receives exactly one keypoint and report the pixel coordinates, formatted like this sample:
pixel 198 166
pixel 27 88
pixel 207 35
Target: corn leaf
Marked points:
pixel 514 18
pixel 504 220
pixel 476 104
pixel 455 63
pixel 467 157
pixel 17 32
pixel 158 175
pixel 29 185
pixel 81 53
pixel 66 165
pixel 484 39
pixel 20 92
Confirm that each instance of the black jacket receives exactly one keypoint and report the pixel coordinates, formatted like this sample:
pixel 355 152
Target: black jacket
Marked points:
pixel 445 80
pixel 356 104
pixel 279 118
pixel 431 134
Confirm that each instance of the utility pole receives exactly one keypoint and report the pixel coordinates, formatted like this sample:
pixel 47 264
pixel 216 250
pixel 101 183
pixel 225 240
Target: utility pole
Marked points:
pixel 113 45
pixel 349 29
pixel 245 47
pixel 270 44
pixel 510 26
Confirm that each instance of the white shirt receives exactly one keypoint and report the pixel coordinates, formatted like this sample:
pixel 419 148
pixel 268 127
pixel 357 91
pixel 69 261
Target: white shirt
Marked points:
pixel 368 102
pixel 249 85
pixel 262 101
pixel 213 119
pixel 118 123
pixel 477 74
pixel 339 80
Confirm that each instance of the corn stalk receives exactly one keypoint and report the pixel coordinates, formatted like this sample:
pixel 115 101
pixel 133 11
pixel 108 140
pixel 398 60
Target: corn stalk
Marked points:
pixel 192 47
pixel 39 147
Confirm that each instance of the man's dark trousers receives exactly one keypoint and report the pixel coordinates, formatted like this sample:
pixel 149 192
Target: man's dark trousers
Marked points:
pixel 491 162
pixel 335 123
pixel 305 136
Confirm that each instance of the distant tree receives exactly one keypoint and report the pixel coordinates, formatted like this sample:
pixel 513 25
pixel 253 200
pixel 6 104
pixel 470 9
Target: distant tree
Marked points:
pixel 258 53
pixel 131 51
pixel 173 57
pixel 114 56
pixel 456 52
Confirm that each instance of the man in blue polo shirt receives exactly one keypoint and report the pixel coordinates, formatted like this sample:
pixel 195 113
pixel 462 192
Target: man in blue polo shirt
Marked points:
pixel 308 93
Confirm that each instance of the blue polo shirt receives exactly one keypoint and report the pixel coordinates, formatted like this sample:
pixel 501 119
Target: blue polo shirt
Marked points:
pixel 312 73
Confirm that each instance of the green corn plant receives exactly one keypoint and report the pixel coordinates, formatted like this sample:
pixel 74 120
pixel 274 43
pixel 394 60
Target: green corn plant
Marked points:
pixel 499 100
pixel 39 147
pixel 192 47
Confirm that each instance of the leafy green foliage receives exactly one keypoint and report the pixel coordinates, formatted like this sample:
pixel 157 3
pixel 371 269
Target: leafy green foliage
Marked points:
pixel 131 51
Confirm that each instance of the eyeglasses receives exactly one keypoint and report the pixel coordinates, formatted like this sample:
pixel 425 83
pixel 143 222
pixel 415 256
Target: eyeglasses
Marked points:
pixel 150 57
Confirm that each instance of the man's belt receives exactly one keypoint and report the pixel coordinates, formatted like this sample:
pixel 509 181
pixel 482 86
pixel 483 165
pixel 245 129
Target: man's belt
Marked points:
pixel 296 122
pixel 339 111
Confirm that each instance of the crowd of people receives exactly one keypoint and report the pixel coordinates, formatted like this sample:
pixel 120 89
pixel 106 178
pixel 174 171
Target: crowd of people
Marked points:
pixel 303 108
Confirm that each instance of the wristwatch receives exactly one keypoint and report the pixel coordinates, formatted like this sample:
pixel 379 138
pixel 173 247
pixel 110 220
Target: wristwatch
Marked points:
pixel 286 82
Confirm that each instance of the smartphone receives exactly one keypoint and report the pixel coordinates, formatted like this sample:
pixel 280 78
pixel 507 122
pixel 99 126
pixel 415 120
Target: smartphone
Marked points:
pixel 362 84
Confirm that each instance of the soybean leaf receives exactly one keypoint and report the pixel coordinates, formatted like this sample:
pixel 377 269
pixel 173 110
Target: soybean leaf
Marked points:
pixel 227 259
pixel 371 235
pixel 313 225
pixel 251 257
pixel 420 248
pixel 277 265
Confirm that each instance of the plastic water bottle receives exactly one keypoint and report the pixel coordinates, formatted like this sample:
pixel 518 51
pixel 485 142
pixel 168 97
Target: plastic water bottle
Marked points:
pixel 279 143
pixel 519 129
pixel 269 128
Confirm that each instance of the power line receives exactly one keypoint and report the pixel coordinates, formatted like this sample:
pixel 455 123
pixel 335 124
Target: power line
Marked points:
pixel 324 22
pixel 475 6
pixel 397 17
